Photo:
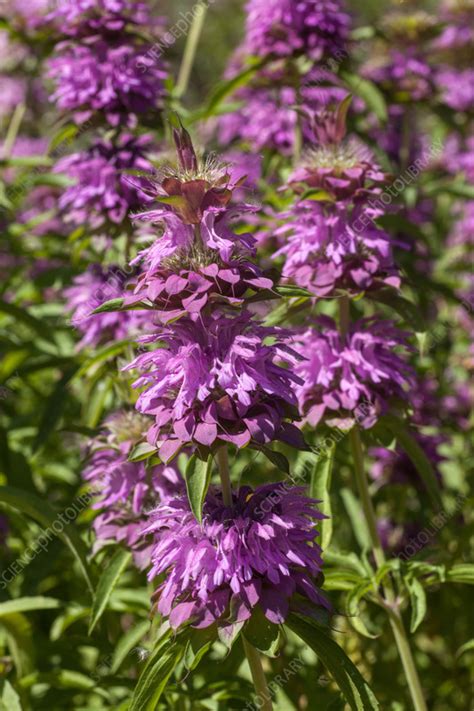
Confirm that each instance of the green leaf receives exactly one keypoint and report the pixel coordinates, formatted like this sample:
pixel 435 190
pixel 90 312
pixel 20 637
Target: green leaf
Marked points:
pixel 10 700
pixel 353 608
pixel 320 488
pixel 462 573
pixel 20 642
pixel 109 306
pixel 46 516
pixel 418 602
pixel 288 290
pixel 318 196
pixel 141 451
pixel 198 478
pixel 107 582
pixel 228 87
pixel 53 408
pixel 409 311
pixel 28 604
pixel 368 91
pixel 262 634
pixel 467 647
pixel 276 458
pixel 102 355
pixel 409 444
pixel 126 643
pixel 155 676
pixel 355 689
pixel 117 305
pixel 359 523
pixel 27 318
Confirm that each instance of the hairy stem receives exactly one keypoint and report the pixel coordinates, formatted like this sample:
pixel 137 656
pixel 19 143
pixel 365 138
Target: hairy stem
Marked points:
pixel 395 616
pixel 191 49
pixel 258 676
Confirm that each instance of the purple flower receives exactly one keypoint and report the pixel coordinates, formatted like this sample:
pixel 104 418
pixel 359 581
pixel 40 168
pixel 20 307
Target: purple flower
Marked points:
pixel 458 30
pixel 181 272
pixel 87 17
pixel 286 27
pixel 267 119
pixel 13 93
pixel 406 75
pixel 89 291
pixel 128 491
pixel 102 191
pixel 459 156
pixel 354 379
pixel 457 88
pixel 261 552
pixel 396 467
pixel 96 76
pixel 216 381
pixel 332 250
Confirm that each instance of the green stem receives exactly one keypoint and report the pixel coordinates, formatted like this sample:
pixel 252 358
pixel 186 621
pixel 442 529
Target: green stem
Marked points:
pixel 258 676
pixel 13 129
pixel 395 617
pixel 191 49
pixel 223 463
pixel 364 494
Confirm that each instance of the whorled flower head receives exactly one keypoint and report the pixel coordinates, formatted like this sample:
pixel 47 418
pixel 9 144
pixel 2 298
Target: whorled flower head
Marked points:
pixel 405 75
pixel 330 251
pixel 261 552
pixel 127 490
pixel 182 271
pixel 88 17
pixel 458 156
pixel 118 81
pixel 89 291
pixel 456 88
pixel 216 381
pixel 341 167
pixel 458 28
pixel 283 28
pixel 102 192
pixel 352 379
pixel 267 119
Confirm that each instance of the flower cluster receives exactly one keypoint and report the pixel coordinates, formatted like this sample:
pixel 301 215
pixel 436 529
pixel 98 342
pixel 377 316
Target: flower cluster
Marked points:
pixel 101 191
pixel 351 379
pixel 126 489
pixel 215 381
pixel 99 70
pixel 91 290
pixel 330 241
pixel 259 552
pixel 283 28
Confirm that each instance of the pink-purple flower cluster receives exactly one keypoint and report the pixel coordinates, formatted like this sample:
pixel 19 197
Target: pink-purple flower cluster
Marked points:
pixel 91 290
pixel 217 381
pixel 353 379
pixel 282 28
pixel 259 552
pixel 102 192
pixel 127 490
pixel 98 70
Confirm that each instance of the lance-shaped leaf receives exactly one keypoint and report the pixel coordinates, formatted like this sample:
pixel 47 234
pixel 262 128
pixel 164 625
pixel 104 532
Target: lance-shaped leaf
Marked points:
pixel 355 689
pixel 422 464
pixel 46 516
pixel 107 582
pixel 198 478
